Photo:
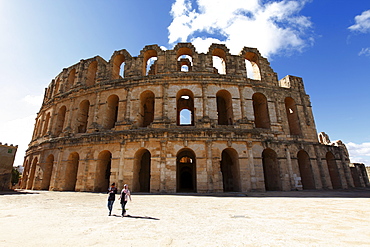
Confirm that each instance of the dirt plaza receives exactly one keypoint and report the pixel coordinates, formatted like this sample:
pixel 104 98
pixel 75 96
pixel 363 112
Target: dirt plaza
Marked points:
pixel 294 218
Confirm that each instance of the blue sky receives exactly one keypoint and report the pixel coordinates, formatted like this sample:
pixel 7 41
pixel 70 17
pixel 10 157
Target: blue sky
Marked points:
pixel 326 42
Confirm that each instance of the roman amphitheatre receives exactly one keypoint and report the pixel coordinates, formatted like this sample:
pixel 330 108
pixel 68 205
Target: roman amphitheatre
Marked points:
pixel 172 121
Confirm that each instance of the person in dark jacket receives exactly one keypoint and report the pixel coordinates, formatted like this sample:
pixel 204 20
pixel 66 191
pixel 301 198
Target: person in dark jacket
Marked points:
pixel 112 191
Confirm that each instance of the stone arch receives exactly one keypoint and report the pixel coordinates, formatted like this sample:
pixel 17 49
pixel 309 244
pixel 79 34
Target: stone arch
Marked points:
pixel 71 170
pixel 230 170
pixel 103 171
pixel 146 111
pixel 47 172
pixel 185 101
pixel 26 171
pixel 142 170
pixel 46 124
pixel 36 130
pixel 224 108
pixel 83 116
pixel 150 62
pixel 32 171
pixel 261 112
pixel 292 115
pixel 184 55
pixel 271 170
pixel 186 171
pixel 219 60
pixel 91 73
pixel 118 70
pixel 252 65
pixel 70 80
pixel 305 169
pixel 60 120
pixel 111 112
pixel 333 171
pixel 57 86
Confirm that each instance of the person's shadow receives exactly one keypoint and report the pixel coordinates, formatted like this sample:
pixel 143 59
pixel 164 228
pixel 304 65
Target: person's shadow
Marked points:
pixel 136 217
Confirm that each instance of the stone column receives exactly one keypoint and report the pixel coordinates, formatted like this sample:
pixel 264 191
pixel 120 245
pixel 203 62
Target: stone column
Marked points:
pixel 162 166
pixel 210 172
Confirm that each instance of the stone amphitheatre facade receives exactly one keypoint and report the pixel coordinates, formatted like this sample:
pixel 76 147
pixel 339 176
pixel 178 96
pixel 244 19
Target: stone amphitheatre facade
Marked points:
pixel 125 121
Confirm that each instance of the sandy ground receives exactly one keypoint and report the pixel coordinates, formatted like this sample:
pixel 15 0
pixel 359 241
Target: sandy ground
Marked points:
pixel 310 218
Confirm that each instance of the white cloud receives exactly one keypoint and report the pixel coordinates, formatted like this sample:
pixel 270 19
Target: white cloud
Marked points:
pixel 18 132
pixel 35 100
pixel 364 51
pixel 272 27
pixel 359 153
pixel 362 22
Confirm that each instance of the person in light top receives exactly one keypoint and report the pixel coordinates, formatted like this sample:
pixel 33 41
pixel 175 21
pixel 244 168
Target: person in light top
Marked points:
pixel 125 195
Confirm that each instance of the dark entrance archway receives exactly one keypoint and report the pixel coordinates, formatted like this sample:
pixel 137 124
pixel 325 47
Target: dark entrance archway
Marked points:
pixel 103 170
pixel 142 170
pixel 271 170
pixel 186 171
pixel 305 170
pixel 230 170
pixel 333 171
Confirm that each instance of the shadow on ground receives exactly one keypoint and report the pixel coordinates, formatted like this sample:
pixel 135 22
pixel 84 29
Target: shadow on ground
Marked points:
pixel 17 192
pixel 136 217
pixel 342 193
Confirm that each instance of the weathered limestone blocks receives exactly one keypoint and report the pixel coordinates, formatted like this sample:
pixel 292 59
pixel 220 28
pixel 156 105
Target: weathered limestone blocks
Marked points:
pixel 180 121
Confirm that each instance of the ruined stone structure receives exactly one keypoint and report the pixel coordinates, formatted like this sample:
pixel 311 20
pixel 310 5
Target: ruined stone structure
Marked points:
pixel 125 121
pixel 7 156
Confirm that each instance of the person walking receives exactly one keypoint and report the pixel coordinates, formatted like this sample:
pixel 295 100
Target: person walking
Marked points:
pixel 125 195
pixel 112 191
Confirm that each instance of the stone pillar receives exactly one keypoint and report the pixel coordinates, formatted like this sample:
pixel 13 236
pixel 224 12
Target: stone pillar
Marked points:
pixel 162 165
pixel 121 165
pixel 253 178
pixel 210 173
pixel 293 181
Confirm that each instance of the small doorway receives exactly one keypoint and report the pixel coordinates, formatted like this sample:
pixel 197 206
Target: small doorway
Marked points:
pixel 186 171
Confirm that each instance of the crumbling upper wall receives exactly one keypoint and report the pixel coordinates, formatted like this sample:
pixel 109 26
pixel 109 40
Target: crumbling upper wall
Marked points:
pixel 121 65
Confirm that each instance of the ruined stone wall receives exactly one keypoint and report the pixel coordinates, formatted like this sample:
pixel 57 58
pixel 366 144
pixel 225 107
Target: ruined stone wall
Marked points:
pixel 7 156
pixel 123 121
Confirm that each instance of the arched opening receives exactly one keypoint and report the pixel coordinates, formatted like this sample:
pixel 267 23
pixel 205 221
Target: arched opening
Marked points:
pixel 186 171
pixel 261 113
pixel 70 80
pixel 230 170
pixel 83 116
pixel 118 67
pixel 224 108
pixel 47 171
pixel 70 176
pixel 147 101
pixel 31 176
pixel 91 73
pixel 184 63
pixel 185 101
pixel 292 114
pixel 142 170
pixel 333 171
pixel 46 124
pixel 60 120
pixel 57 87
pixel 103 171
pixel 111 114
pixel 305 170
pixel 150 62
pixel 25 175
pixel 271 170
pixel 219 61
pixel 252 67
